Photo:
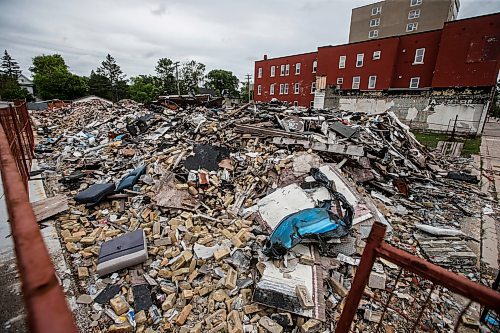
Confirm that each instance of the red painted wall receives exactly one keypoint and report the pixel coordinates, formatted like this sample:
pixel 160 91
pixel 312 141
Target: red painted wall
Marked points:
pixel 328 63
pixel 305 78
pixel 405 68
pixel 469 53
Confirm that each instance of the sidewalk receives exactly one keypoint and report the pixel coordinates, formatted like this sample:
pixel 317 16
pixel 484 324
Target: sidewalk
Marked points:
pixel 490 158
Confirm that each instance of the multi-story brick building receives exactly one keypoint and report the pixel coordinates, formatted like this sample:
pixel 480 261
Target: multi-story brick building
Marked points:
pixel 465 53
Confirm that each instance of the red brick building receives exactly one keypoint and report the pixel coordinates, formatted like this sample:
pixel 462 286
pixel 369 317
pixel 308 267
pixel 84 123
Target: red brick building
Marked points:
pixel 465 53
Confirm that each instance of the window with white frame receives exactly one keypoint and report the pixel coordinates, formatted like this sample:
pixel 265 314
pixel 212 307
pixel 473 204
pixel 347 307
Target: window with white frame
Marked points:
pixel 419 56
pixel 340 80
pixel 411 26
pixel 259 89
pixel 375 22
pixel 415 2
pixel 376 10
pixel 373 34
pixel 260 73
pixel 376 55
pixel 355 82
pixel 313 87
pixel 413 14
pixel 282 88
pixel 297 68
pixel 359 59
pixel 342 61
pixel 296 88
pixel 414 82
pixel 273 71
pixel 315 66
pixel 271 89
pixel 295 103
pixel 282 70
pixel 287 69
pixel 372 81
pixel 286 89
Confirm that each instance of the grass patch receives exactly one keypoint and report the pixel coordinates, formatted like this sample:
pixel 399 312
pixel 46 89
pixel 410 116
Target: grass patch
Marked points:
pixel 471 145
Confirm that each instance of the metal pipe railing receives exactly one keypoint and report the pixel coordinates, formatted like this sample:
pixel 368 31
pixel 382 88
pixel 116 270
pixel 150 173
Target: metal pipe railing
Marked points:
pixel 46 307
pixel 377 248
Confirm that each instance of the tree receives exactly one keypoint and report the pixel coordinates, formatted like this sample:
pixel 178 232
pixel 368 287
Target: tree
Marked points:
pixel 110 69
pixel 165 73
pixel 10 89
pixel 53 80
pixel 9 66
pixel 191 76
pixel 244 93
pixel 222 81
pixel 144 88
pixel 99 85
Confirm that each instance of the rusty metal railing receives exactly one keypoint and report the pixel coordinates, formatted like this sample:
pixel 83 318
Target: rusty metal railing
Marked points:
pixel 46 307
pixel 16 124
pixel 377 248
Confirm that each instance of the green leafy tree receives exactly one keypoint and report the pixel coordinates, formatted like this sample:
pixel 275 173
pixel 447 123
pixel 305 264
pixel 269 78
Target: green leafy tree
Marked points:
pixel 11 90
pixel 53 80
pixel 191 76
pixel 99 85
pixel 165 73
pixel 223 82
pixel 110 69
pixel 144 89
pixel 244 93
pixel 9 66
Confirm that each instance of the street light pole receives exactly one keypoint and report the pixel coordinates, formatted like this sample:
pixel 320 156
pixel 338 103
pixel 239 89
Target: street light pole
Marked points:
pixel 176 64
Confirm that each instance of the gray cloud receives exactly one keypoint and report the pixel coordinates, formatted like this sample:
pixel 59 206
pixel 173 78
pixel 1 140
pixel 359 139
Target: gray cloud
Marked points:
pixel 220 33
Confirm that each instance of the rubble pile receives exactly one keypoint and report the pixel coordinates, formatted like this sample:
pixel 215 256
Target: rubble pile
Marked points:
pixel 170 211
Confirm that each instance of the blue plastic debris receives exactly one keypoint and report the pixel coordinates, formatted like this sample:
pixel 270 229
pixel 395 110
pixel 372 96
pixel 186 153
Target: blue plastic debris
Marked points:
pixel 319 223
pixel 130 179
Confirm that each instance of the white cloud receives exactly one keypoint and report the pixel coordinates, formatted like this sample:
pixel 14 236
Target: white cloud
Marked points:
pixel 224 34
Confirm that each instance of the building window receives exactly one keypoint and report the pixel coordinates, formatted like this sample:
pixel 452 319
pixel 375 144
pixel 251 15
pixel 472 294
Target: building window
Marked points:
pixel 271 89
pixel 413 14
pixel 287 69
pixel 282 70
pixel 377 10
pixel 375 22
pixel 259 90
pixel 296 88
pixel 355 82
pixel 311 104
pixel 359 59
pixel 313 87
pixel 315 66
pixel 282 88
pixel 411 27
pixel 273 71
pixel 419 56
pixel 260 73
pixel 373 34
pixel 342 62
pixel 295 103
pixel 372 81
pixel 297 68
pixel 415 2
pixel 286 88
pixel 340 80
pixel 376 55
pixel 414 82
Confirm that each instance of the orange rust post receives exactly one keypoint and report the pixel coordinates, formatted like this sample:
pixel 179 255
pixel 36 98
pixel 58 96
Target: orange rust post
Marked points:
pixel 47 310
pixel 363 272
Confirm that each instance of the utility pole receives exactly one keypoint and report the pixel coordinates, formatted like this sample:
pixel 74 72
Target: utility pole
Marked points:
pixel 248 76
pixel 176 64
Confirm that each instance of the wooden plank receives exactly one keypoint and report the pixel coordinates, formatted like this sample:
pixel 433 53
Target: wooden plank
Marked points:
pixel 46 208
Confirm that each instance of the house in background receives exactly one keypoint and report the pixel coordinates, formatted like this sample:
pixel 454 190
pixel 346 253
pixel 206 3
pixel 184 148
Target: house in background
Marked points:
pixel 25 83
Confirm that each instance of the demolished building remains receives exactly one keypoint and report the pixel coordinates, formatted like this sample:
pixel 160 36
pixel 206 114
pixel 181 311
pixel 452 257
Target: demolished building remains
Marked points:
pixel 167 221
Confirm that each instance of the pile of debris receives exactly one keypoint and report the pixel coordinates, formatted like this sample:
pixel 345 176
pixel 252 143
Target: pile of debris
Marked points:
pixel 247 219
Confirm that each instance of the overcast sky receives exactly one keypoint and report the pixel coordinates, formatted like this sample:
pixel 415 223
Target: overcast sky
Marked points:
pixel 227 34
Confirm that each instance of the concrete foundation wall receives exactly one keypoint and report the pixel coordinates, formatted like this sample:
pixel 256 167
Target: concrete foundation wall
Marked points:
pixel 433 111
